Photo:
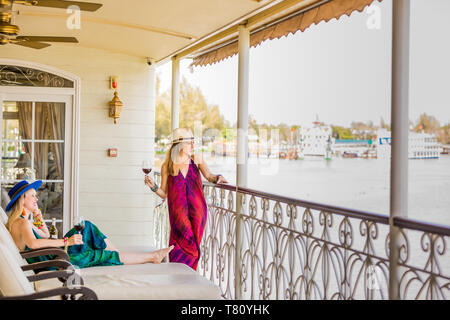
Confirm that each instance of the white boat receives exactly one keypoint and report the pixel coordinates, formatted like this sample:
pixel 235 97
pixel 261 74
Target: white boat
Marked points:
pixel 315 141
pixel 420 145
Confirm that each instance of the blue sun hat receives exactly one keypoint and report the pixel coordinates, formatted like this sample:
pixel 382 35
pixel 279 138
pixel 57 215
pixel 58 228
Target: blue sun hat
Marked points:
pixel 19 189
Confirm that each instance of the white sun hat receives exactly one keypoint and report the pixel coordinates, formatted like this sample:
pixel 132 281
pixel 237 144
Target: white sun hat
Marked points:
pixel 180 135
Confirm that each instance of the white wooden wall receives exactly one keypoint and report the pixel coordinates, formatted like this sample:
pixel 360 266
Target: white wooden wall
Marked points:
pixel 111 190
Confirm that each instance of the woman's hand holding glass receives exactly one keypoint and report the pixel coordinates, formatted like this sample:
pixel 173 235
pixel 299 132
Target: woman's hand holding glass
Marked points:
pixel 75 239
pixel 149 182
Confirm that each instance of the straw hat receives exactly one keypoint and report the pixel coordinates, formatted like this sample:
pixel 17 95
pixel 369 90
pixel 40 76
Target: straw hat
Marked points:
pixel 180 135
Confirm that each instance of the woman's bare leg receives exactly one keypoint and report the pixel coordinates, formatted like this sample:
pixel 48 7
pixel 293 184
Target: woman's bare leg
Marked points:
pixel 138 257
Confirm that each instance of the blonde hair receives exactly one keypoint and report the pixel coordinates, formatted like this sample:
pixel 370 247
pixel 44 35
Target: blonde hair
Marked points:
pixel 172 153
pixel 16 211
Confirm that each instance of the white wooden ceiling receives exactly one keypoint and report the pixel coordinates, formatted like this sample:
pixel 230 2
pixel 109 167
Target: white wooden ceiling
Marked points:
pixel 143 28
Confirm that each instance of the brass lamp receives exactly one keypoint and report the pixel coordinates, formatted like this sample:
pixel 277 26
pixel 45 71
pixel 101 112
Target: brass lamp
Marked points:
pixel 115 106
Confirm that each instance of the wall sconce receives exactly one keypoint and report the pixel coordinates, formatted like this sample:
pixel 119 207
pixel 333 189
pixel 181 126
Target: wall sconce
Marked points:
pixel 115 105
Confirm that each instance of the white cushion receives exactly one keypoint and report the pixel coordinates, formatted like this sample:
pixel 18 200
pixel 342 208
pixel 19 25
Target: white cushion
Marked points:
pixel 13 281
pixel 144 268
pixel 7 240
pixel 144 281
pixel 152 287
pixel 3 216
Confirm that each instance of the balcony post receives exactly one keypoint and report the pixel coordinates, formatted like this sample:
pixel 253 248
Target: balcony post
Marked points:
pixel 400 129
pixel 175 115
pixel 242 148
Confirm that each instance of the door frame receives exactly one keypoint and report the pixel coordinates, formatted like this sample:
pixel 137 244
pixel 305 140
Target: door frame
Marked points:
pixel 71 96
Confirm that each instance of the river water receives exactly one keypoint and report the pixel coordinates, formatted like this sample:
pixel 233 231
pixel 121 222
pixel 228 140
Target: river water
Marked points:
pixel 354 183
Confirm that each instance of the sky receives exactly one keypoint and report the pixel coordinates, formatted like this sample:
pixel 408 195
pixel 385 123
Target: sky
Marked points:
pixel 339 71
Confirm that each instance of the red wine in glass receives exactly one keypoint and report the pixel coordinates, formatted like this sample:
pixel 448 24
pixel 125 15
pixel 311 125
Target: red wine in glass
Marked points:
pixel 146 170
pixel 146 167
pixel 79 226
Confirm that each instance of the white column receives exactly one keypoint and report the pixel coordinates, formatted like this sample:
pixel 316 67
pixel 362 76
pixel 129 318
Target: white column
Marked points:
pixel 400 130
pixel 175 93
pixel 242 114
pixel 242 146
pixel 150 233
pixel 152 107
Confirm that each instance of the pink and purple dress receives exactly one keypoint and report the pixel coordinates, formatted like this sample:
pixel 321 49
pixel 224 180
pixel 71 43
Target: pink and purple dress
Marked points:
pixel 187 215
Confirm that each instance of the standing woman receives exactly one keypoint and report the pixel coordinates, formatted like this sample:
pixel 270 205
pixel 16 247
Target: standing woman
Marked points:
pixel 181 184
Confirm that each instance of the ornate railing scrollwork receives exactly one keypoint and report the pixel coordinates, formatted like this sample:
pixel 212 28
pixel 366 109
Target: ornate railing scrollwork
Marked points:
pixel 426 274
pixel 293 249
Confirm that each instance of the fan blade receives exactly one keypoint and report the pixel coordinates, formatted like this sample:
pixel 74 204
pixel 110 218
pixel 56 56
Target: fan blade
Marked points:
pixel 84 6
pixel 31 44
pixel 47 39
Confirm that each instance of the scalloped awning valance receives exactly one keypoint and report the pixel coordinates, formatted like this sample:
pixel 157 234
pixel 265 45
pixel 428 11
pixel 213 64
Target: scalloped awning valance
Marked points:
pixel 301 21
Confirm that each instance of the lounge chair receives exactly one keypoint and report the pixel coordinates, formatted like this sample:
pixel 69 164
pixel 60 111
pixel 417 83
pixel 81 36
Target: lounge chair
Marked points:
pixel 14 284
pixel 147 281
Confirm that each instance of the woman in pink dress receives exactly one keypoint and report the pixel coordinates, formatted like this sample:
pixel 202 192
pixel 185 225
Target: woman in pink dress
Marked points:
pixel 181 184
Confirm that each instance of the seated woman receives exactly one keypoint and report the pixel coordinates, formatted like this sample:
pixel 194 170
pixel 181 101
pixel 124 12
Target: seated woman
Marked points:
pixel 90 248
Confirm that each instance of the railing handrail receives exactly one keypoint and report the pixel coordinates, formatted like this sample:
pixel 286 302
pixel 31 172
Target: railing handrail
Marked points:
pixel 413 224
pixel 354 213
pixel 400 222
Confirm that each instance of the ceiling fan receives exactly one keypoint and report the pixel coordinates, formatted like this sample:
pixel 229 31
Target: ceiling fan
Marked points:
pixel 61 4
pixel 8 30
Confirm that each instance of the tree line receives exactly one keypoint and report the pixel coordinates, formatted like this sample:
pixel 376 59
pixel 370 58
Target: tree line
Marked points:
pixel 194 107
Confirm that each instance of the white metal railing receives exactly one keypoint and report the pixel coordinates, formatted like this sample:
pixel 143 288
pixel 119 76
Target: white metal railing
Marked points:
pixel 293 249
pixel 161 225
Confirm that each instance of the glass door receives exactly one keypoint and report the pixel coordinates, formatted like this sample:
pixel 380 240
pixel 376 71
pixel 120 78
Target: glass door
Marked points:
pixel 33 147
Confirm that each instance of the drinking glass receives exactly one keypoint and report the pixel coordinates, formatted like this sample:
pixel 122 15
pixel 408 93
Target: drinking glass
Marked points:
pixel 79 224
pixel 146 167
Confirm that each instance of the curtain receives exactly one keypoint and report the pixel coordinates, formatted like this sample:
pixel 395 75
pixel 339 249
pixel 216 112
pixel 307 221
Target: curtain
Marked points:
pixel 25 123
pixel 41 132
pixel 49 125
pixel 56 127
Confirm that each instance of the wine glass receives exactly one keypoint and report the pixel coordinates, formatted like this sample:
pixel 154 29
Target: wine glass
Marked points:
pixel 79 224
pixel 146 167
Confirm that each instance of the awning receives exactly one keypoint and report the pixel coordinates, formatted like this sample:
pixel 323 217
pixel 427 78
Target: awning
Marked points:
pixel 300 21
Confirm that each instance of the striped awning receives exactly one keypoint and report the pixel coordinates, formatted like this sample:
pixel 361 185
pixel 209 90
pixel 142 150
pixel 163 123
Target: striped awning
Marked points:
pixel 301 21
